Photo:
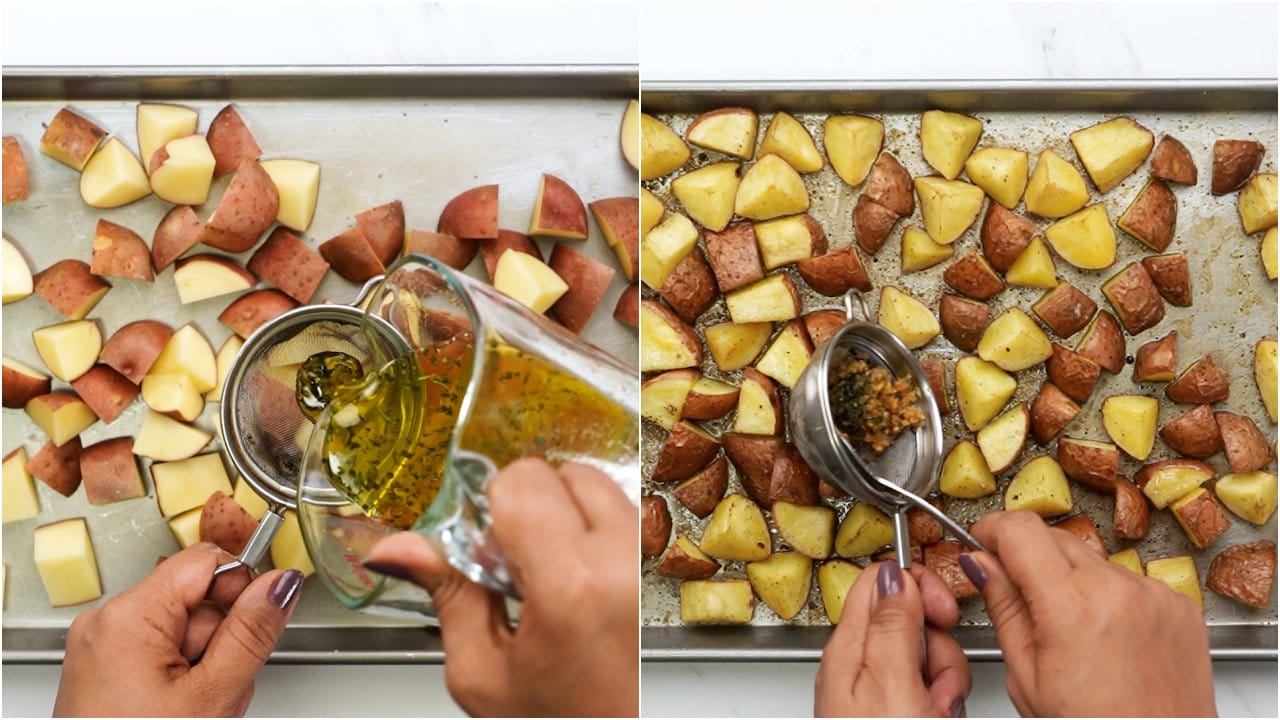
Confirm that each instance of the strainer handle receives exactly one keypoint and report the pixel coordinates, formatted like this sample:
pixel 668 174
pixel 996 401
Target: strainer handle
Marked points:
pixel 850 298
pixel 957 531
pixel 258 543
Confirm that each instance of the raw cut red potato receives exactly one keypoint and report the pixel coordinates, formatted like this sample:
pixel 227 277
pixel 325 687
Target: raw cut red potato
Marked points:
pixel 179 231
pixel 68 349
pixel 182 171
pixel 109 472
pixel 587 280
pixel 120 252
pixel 61 415
pixel 71 139
pixel 454 252
pixel 70 288
pixel 105 391
pixel 351 256
pixel 493 249
pixel 472 215
pixel 15 171
pixel 58 466
pixel 21 382
pixel 205 276
pixel 225 524
pixel 133 349
pixel 231 142
pixel 298 184
pixel 162 438
pixel 251 310
pixel 18 281
pixel 289 264
pixel 246 210
pixel 618 219
pixel 627 310
pixel 158 123
pixel 113 177
pixel 383 228
pixel 558 211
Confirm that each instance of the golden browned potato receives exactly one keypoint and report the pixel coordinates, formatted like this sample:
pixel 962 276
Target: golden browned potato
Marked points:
pixel 947 139
pixel 709 399
pixel 835 273
pixel 1152 216
pixel 664 247
pixel 1157 361
pixel 919 251
pixel 71 139
pixel 1129 560
pixel 907 317
pixel 1167 480
pixel 687 449
pixel 1111 150
pixel 1002 439
pixel 790 140
pixel 716 602
pixel 1245 445
pixel 1257 203
pixel 1073 374
pixel 1065 309
pixel 1180 574
pixel 707 193
pixel 1172 162
pixel 807 529
pixel 1013 341
pixel 1264 374
pixel 729 130
pixel 1051 412
pixel 1250 495
pixel 1245 573
pixel 863 531
pixel 1130 421
pixel 835 578
pixel 759 409
pixel 666 341
pixel 1004 235
pixel 661 150
pixel 15 171
pixel 770 188
pixel 1194 433
pixel 1034 267
pixel 690 289
pixel 1233 162
pixel 923 528
pixel 982 389
pixel 1056 189
pixel 822 324
pixel 788 355
pixel 662 397
pixel 1103 343
pixel 1000 172
pixel 1171 276
pixel 734 346
pixel 769 300
pixel 782 581
pixel 1200 517
pixel 1082 527
pixel 685 561
pixel 705 489
pixel 943 558
pixel 963 320
pixel 1085 238
pixel 1089 462
pixel 972 277
pixel 935 371
pixel 1132 517
pixel 1203 383
pixel 948 207
pixel 852 143
pixel 1041 487
pixel 655 525
pixel 1135 298
pixel 791 479
pixel 737 531
pixel 889 186
pixel 965 473
pixel 790 239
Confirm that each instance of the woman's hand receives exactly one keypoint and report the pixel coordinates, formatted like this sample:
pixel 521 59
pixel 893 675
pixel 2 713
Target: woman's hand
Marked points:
pixel 873 664
pixel 1085 637
pixel 180 643
pixel 571 540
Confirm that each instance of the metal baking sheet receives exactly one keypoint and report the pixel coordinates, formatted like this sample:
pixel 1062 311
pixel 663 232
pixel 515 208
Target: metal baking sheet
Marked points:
pixel 419 134
pixel 1235 305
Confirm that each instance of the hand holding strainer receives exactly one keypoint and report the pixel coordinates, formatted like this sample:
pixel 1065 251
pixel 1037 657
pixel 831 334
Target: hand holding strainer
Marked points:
pixel 897 479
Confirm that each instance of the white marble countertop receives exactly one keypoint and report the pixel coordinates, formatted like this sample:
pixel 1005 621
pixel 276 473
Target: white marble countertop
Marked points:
pixel 848 41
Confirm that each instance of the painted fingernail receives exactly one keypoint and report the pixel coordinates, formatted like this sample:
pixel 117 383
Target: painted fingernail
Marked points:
pixel 973 570
pixel 390 569
pixel 957 708
pixel 285 589
pixel 890 579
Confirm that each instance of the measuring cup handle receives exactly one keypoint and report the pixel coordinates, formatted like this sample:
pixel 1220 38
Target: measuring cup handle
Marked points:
pixel 258 544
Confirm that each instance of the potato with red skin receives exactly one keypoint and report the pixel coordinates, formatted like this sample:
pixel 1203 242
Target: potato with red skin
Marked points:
pixel 1103 343
pixel 684 561
pixel 1152 216
pixel 1157 361
pixel 889 185
pixel 1074 374
pixel 1090 463
pixel 704 490
pixel 491 250
pixel 923 528
pixel 247 208
pixel 963 320
pixel 179 231
pixel 472 215
pixel 289 264
pixel 1065 309
pixel 351 256
pixel 752 457
pixel 1244 444
pixel 935 370
pixel 1233 162
pixel 1203 383
pixel 822 324
pixel 872 223
pixel 1004 236
pixel 225 524
pixel 558 211
pixel 588 280
pixel 1200 517
pixel 230 141
pixel 1051 412
pixel 1171 276
pixel 1135 298
pixel 21 383
pixel 58 467
pixel 1082 527
pixel 133 349
pixel 383 227
pixel 709 400
pixel 627 310
pixel 835 273
pixel 666 341
pixel 109 472
pixel 943 558
pixel 690 289
pixel 734 255
pixel 1245 573
pixel 687 449
pixel 251 310
pixel 619 221
pixel 972 277
pixel 454 252
pixel 71 139
pixel 1132 517
pixel 655 525
pixel 791 479
pixel 15 187
pixel 1172 162
pixel 105 391
pixel 1194 433
pixel 70 288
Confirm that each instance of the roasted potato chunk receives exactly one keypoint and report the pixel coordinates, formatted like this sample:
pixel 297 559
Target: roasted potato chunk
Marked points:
pixel 1004 235
pixel 1111 150
pixel 1233 162
pixel 1085 238
pixel 1194 433
pixel 972 277
pixel 735 256
pixel 965 473
pixel 685 561
pixel 782 581
pixel 1002 439
pixel 1065 309
pixel 943 558
pixel 1245 445
pixel 807 529
pixel 655 525
pixel 1041 487
pixel 1051 412
pixel 1074 374
pixel 1157 361
pixel 690 289
pixel 770 188
pixel 1172 162
pixel 737 531
pixel 852 143
pixel 1167 480
pixel 1090 463
pixel 1250 495
pixel 1056 189
pixel 730 130
pixel 666 341
pixel 701 492
pixel 963 320
pixel 687 449
pixel 908 318
pixel 1103 343
pixel 716 602
pixel 1082 527
pixel 752 457
pixel 1203 383
pixel 1200 517
pixel 1244 573
pixel 1257 203
pixel 835 273
pixel 1152 216
pixel 1132 518
pixel 1180 574
pixel 948 207
pixel 1135 298
pixel 1171 277
pixel 1130 421
pixel 982 389
pixel 1013 341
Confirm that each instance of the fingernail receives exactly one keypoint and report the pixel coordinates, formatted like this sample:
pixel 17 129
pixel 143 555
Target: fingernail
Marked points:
pixel 973 570
pixel 390 569
pixel 957 708
pixel 285 589
pixel 890 579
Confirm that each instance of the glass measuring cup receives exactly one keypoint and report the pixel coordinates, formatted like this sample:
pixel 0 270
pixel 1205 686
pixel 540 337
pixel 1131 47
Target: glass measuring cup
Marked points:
pixel 497 383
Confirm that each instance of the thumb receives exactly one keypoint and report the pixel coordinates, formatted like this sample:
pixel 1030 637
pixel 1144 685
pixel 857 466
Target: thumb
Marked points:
pixel 244 640
pixel 897 623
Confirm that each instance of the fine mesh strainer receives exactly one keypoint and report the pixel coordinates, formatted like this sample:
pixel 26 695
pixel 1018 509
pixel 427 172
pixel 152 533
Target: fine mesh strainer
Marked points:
pixel 907 470
pixel 263 429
